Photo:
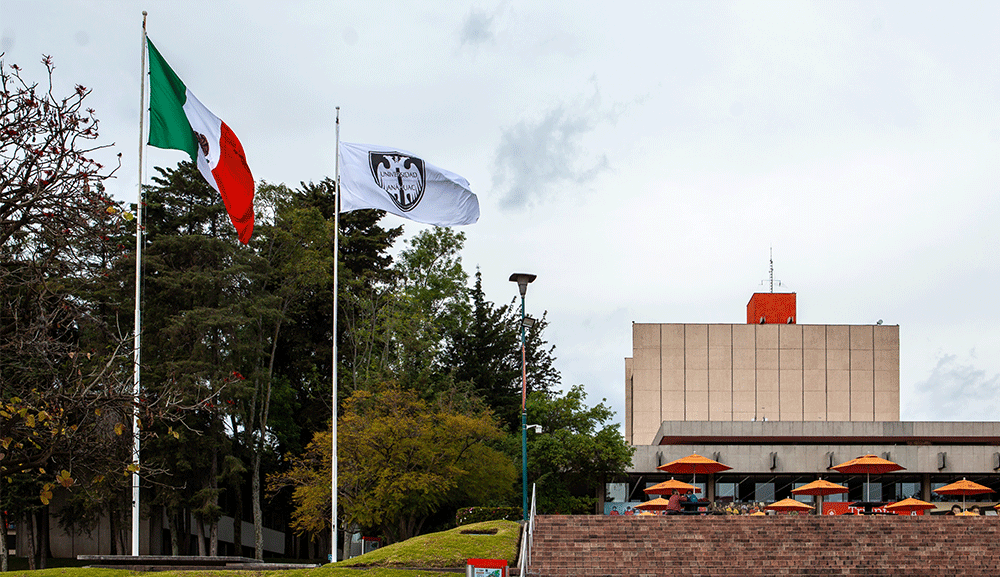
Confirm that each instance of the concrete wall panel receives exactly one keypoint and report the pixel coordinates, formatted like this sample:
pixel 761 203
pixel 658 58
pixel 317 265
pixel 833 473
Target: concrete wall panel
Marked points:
pixel 838 337
pixel 767 336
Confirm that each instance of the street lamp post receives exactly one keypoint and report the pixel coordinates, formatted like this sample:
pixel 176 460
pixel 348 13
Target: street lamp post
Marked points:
pixel 522 280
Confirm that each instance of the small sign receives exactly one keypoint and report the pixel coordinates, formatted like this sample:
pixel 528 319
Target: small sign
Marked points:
pixel 486 568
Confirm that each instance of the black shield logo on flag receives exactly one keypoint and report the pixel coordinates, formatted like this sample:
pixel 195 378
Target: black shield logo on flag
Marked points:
pixel 402 176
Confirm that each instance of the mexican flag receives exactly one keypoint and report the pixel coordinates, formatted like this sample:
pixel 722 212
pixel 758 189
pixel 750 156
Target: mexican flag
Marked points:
pixel 177 120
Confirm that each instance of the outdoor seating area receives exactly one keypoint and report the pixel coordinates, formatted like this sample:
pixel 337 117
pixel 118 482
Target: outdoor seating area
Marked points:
pixel 819 497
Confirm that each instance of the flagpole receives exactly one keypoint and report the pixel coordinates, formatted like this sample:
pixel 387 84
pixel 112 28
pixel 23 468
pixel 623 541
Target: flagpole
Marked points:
pixel 336 266
pixel 138 301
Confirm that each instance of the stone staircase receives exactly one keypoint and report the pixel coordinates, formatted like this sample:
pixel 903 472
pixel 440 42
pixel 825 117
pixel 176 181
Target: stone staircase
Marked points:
pixel 745 546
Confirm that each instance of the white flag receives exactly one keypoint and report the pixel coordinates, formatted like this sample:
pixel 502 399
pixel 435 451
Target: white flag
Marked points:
pixel 403 184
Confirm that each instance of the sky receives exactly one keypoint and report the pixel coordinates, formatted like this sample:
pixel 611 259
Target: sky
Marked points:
pixel 644 159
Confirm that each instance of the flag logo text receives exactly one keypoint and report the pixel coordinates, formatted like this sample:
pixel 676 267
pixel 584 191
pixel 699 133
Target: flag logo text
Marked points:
pixel 401 176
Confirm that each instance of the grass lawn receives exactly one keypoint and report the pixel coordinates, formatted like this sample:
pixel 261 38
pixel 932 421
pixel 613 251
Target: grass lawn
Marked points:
pixel 325 571
pixel 448 548
pixel 487 540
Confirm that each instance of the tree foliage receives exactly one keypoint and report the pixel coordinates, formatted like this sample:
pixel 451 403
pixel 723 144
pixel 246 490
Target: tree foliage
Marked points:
pixel 576 452
pixel 400 460
pixel 398 326
pixel 485 350
pixel 204 306
pixel 64 383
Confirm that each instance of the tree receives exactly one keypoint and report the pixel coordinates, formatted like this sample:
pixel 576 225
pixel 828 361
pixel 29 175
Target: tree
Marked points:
pixel 294 244
pixel 485 350
pixel 398 326
pixel 400 459
pixel 576 452
pixel 432 304
pixel 304 353
pixel 64 383
pixel 204 301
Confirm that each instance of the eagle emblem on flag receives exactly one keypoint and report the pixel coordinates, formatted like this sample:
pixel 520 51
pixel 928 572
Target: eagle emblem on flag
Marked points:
pixel 401 176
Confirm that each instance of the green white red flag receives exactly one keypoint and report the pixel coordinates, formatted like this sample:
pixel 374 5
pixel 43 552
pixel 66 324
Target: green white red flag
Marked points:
pixel 178 121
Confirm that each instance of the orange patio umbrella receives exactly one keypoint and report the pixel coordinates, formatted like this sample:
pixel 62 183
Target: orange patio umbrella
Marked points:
pixel 789 505
pixel 868 464
pixel 963 488
pixel 694 464
pixel 820 487
pixel 667 487
pixel 657 504
pixel 909 505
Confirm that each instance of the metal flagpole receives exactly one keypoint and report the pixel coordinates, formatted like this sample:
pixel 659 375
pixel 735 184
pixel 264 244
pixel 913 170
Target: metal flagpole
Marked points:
pixel 333 432
pixel 138 301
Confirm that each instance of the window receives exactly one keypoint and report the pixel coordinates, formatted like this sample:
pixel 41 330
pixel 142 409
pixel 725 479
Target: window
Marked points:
pixel 763 492
pixel 871 491
pixel 727 492
pixel 907 490
pixel 617 492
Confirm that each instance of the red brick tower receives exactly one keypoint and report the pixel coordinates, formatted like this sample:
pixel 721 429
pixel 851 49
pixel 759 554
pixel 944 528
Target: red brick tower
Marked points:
pixel 771 309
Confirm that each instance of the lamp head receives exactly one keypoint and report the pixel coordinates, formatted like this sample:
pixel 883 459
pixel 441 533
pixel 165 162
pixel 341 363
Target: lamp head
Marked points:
pixel 522 279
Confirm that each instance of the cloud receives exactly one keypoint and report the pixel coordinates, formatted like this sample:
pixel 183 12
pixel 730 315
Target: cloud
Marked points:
pixel 956 392
pixel 536 156
pixel 478 27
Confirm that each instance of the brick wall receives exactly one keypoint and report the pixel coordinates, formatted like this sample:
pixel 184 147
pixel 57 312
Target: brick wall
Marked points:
pixel 571 546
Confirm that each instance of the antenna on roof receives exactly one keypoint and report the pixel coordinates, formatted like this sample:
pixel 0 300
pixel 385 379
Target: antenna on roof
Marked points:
pixel 771 269
pixel 770 252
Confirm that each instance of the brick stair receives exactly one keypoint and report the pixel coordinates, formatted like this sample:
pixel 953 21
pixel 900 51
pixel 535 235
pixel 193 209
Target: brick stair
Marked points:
pixel 576 546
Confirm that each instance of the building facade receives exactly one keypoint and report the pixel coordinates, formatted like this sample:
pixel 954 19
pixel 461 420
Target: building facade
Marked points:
pixel 760 371
pixel 782 403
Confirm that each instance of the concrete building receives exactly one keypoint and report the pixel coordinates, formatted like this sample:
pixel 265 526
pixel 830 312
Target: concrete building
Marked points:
pixel 781 403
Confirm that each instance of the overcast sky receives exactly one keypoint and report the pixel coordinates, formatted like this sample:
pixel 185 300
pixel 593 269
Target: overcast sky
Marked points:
pixel 640 158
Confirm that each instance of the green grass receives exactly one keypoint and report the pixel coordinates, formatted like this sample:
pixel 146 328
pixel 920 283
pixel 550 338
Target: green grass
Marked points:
pixel 325 571
pixel 446 549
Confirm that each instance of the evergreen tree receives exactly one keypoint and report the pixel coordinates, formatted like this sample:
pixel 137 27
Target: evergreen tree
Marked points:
pixel 203 301
pixel 486 352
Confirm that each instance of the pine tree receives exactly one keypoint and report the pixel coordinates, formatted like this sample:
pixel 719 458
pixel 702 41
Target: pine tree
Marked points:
pixel 486 352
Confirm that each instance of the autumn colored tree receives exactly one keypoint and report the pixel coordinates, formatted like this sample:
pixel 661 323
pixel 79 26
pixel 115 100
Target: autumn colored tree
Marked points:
pixel 64 380
pixel 400 460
